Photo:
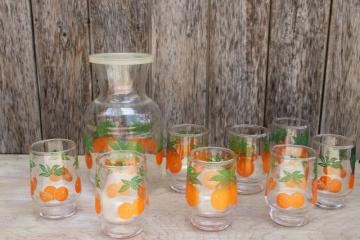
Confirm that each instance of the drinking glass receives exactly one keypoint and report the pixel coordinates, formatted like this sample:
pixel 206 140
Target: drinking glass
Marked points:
pixel 291 184
pixel 289 131
pixel 121 194
pixel 55 182
pixel 336 169
pixel 181 140
pixel 211 189
pixel 251 144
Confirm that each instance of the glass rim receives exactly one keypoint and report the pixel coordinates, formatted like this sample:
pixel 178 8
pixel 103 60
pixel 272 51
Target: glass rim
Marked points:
pixel 172 131
pixel 313 157
pixel 138 154
pixel 224 162
pixel 230 130
pixel 315 139
pixel 45 153
pixel 304 123
pixel 121 58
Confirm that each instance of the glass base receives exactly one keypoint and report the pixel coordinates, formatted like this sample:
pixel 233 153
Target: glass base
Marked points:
pixel 177 184
pixel 249 188
pixel 287 219
pixel 121 230
pixel 213 224
pixel 58 212
pixel 333 203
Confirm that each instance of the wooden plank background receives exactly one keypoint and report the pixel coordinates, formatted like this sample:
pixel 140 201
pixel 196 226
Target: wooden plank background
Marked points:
pixel 217 62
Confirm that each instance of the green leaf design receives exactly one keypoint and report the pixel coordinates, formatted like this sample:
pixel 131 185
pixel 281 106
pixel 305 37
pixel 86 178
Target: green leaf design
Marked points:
pixel 126 145
pixel 353 160
pixel 278 135
pixel 302 139
pixel 240 146
pixel 76 162
pixel 295 177
pixel 342 153
pixel 266 144
pixel 225 177
pixel 124 188
pixel 192 176
pixel 88 144
pixel 97 180
pixel 139 127
pixel 134 183
pixel 103 129
pixel 326 161
pixel 160 143
pixel 32 164
pixel 56 170
pixel 214 158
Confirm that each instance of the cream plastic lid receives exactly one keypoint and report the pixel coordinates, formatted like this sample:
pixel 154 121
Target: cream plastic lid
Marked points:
pixel 121 58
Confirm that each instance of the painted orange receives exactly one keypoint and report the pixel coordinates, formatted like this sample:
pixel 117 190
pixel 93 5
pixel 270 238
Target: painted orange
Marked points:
pixel 233 194
pixel 335 186
pixel 67 175
pixel 265 156
pixel 351 181
pixel 47 194
pixel 323 182
pixel 292 184
pixel 101 144
pixel 112 190
pixel 139 206
pixel 173 161
pixel 297 200
pixel 55 178
pixel 33 184
pixel 61 193
pixel 329 170
pixel 97 203
pixel 125 211
pixel 245 165
pixel 314 191
pixel 142 193
pixel 192 194
pixel 283 200
pixel 88 160
pixel 220 198
pixel 78 185
pixel 159 157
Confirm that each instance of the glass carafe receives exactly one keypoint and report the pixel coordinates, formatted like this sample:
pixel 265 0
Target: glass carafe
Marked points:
pixel 123 117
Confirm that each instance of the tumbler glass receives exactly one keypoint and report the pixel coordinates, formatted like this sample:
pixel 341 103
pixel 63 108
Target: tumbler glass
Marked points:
pixel 211 189
pixel 336 169
pixel 121 194
pixel 290 131
pixel 181 140
pixel 291 184
pixel 55 182
pixel 251 144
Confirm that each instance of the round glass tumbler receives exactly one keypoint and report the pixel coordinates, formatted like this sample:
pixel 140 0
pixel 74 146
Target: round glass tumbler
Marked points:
pixel 211 189
pixel 55 182
pixel 251 145
pixel 121 194
pixel 123 117
pixel 289 131
pixel 336 169
pixel 291 185
pixel 181 140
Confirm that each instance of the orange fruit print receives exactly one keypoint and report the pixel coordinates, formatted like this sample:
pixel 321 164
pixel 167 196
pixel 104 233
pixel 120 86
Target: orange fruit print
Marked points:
pixel 101 144
pixel 192 194
pixel 125 211
pixel 326 183
pixel 61 194
pixel 33 184
pixel 245 165
pixel 67 175
pixel 113 190
pixel 47 194
pixel 329 170
pixel 139 206
pixel 233 193
pixel 351 181
pixel 78 185
pixel 97 203
pixel 220 198
pixel 159 157
pixel 295 200
pixel 174 163
pixel 88 160
pixel 265 156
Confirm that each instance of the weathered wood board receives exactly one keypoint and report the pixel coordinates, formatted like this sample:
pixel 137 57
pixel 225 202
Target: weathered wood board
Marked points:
pixel 237 68
pixel 297 49
pixel 19 110
pixel 62 46
pixel 341 109
pixel 179 43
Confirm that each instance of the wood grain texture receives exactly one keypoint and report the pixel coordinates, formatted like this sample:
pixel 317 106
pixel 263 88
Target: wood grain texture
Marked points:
pixel 119 26
pixel 298 34
pixel 19 110
pixel 238 51
pixel 342 89
pixel 179 43
pixel 62 46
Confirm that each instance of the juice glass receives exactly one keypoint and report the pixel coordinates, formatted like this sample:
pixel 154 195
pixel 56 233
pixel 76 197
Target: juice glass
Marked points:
pixel 55 182
pixel 291 185
pixel 121 194
pixel 181 140
pixel 251 144
pixel 289 131
pixel 336 169
pixel 211 189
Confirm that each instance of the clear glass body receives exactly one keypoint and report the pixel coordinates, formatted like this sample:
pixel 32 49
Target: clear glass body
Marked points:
pixel 290 189
pixel 289 131
pixel 55 182
pixel 122 117
pixel 121 194
pixel 211 189
pixel 251 145
pixel 336 169
pixel 180 141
